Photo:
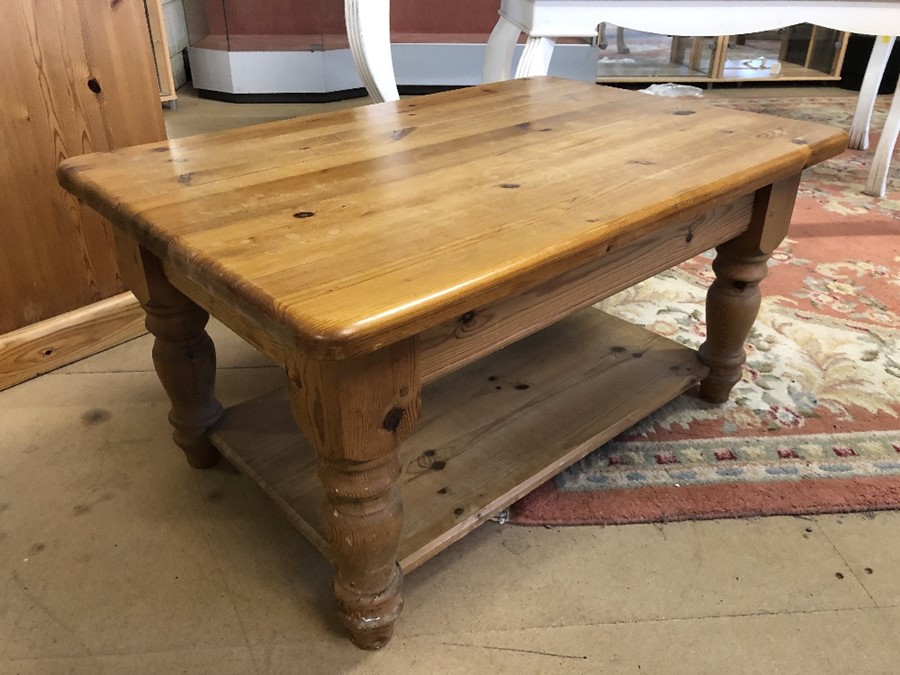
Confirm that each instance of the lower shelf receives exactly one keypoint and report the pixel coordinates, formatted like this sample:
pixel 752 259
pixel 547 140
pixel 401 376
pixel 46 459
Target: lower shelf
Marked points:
pixel 489 434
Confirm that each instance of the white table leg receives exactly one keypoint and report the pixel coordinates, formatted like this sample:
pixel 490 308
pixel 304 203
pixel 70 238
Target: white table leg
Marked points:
pixel 498 54
pixel 369 31
pixel 601 36
pixel 862 118
pixel 621 47
pixel 876 185
pixel 535 59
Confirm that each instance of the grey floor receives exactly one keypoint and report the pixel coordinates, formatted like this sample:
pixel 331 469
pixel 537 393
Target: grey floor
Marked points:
pixel 117 557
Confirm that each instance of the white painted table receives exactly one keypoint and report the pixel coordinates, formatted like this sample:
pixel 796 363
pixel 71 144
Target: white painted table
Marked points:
pixel 542 21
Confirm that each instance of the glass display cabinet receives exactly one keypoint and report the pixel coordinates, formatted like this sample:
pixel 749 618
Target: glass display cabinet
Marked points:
pixel 795 53
pixel 269 49
pixel 266 25
pixel 298 49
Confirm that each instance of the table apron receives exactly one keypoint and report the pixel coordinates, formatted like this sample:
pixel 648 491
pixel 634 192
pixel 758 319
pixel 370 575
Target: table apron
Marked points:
pixel 482 330
pixel 575 18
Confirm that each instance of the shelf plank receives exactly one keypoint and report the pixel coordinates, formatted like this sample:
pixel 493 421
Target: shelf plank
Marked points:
pixel 489 434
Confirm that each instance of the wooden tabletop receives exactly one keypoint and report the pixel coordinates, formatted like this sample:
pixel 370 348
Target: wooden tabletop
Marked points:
pixel 357 228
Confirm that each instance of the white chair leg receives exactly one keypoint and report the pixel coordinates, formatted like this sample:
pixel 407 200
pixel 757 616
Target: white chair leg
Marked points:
pixel 535 59
pixel 601 36
pixel 369 31
pixel 862 118
pixel 498 53
pixel 876 185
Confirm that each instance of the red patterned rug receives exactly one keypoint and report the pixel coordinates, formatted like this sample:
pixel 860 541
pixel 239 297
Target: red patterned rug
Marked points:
pixel 814 425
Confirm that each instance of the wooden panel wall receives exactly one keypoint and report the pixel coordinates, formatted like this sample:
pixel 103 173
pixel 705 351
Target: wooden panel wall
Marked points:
pixel 76 76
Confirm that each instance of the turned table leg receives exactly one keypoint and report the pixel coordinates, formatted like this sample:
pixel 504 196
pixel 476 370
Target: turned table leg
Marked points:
pixel 355 413
pixel 185 360
pixel 731 308
pixel 363 518
pixel 734 298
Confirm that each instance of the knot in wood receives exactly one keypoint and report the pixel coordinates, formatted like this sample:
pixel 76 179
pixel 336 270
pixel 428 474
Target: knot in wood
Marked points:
pixel 393 418
pixel 467 318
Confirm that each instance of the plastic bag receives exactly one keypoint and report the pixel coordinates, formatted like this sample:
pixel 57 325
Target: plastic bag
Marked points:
pixel 671 90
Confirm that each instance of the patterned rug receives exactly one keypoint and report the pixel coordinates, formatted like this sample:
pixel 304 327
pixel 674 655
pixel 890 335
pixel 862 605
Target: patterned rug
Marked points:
pixel 814 425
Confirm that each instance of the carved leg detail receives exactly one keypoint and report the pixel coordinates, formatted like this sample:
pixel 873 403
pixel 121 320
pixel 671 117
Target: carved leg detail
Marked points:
pixel 733 299
pixel 185 360
pixel 731 308
pixel 363 517
pixel 535 59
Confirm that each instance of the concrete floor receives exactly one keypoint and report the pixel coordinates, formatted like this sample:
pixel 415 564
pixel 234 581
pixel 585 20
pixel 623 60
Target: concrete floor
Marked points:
pixel 117 557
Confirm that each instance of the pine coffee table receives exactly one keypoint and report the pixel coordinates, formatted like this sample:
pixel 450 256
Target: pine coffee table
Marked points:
pixel 418 268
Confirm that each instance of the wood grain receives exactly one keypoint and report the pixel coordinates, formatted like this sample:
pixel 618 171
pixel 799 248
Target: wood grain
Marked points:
pixel 453 195
pixel 76 77
pixel 47 345
pixel 489 433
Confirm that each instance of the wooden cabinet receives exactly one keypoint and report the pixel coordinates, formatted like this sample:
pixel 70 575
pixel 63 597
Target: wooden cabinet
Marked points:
pixel 77 77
